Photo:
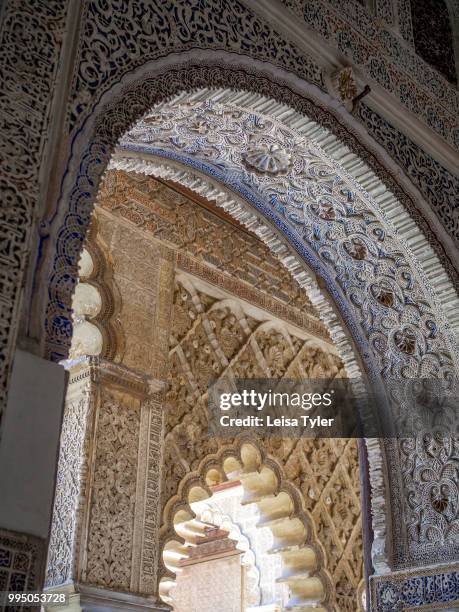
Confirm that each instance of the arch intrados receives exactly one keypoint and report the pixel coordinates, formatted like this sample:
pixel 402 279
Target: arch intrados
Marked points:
pixel 441 293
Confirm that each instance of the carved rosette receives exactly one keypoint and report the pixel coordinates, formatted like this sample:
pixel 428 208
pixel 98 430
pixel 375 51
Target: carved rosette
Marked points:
pixel 267 158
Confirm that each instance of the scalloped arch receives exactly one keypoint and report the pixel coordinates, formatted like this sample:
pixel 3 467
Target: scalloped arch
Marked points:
pixel 281 510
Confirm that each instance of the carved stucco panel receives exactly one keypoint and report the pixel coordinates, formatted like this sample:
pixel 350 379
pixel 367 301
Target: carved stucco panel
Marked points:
pixel 438 186
pixel 263 353
pixel 385 59
pixel 319 205
pixel 113 488
pixel 70 484
pixel 173 218
pixel 213 337
pixel 30 38
pixel 136 272
pixel 23 560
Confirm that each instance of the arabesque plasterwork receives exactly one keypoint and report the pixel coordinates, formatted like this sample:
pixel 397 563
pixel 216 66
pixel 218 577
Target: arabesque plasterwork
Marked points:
pixel 203 244
pixel 182 143
pixel 31 35
pixel 49 26
pixel 252 349
pixel 213 337
pixel 105 519
pixel 211 334
pixel 28 115
pixel 57 326
pixel 245 337
pixel 71 481
pixel 385 59
pixel 338 222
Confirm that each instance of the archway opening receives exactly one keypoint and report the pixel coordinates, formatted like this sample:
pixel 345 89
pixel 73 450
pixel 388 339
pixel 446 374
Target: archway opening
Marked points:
pixel 221 323
pixel 355 279
pixel 258 489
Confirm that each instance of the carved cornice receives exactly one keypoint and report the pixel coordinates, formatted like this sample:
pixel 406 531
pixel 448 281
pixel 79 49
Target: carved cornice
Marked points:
pixel 262 299
pixel 101 371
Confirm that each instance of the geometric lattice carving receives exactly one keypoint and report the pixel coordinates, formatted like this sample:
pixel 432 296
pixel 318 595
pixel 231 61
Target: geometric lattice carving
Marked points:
pixel 212 337
pixel 22 562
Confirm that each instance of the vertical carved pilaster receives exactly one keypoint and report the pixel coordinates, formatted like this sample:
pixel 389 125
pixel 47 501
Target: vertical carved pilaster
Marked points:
pixel 385 10
pixel 405 24
pixel 107 502
pixel 165 298
pixel 71 476
pixel 110 523
pixel 145 550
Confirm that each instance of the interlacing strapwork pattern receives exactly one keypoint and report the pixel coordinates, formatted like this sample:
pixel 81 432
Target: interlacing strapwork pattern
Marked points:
pixel 156 29
pixel 326 472
pixel 217 337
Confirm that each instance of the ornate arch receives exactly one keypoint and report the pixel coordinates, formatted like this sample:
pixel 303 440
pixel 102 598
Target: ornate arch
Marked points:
pixel 133 98
pixel 129 101
pixel 381 521
pixel 281 509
